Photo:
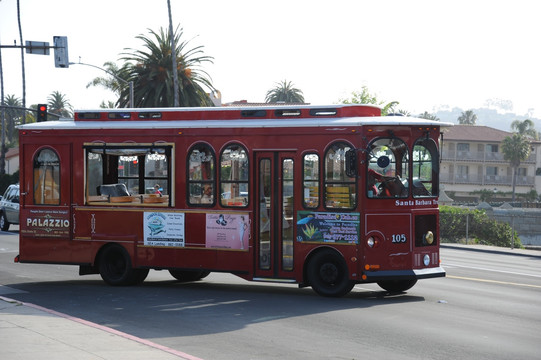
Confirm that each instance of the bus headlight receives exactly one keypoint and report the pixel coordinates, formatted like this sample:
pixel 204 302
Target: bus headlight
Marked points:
pixel 370 242
pixel 426 260
pixel 429 237
pixel 373 241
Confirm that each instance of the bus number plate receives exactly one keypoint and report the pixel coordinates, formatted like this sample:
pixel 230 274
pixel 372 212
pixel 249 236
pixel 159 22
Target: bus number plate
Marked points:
pixel 399 238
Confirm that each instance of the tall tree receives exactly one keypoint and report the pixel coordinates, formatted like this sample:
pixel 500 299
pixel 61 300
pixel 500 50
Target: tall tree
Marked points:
pixel 107 105
pixel 151 72
pixel 467 117
pixel 404 112
pixel 110 82
pixel 365 97
pixel 516 148
pixel 13 118
pixel 525 128
pixel 429 116
pixel 284 91
pixel 59 104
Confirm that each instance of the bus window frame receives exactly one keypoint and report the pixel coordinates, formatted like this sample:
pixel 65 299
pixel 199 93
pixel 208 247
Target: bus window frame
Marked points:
pixel 399 164
pixel 318 181
pixel 141 150
pixel 42 181
pixel 327 194
pixel 432 149
pixel 212 182
pixel 221 182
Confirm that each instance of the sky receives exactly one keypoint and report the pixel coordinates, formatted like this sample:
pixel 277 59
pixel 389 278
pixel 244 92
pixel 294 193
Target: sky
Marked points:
pixel 425 54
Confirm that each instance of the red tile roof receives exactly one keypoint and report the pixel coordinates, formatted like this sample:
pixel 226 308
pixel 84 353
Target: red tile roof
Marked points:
pixel 12 152
pixel 474 133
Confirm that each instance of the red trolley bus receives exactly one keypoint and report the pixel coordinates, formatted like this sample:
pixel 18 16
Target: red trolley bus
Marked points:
pixel 325 197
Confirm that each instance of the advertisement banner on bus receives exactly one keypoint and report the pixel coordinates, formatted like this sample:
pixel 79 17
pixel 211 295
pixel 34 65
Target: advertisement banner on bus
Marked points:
pixel 46 223
pixel 328 227
pixel 227 231
pixel 164 229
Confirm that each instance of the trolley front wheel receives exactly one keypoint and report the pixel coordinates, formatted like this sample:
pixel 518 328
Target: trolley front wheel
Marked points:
pixel 397 286
pixel 189 275
pixel 328 274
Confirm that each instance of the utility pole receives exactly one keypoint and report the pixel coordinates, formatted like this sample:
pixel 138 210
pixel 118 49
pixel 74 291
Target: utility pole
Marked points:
pixel 3 112
pixel 22 55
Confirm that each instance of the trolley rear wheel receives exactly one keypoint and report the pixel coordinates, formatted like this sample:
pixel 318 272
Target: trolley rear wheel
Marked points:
pixel 116 268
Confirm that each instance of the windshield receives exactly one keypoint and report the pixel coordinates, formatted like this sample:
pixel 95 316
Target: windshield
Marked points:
pixel 388 168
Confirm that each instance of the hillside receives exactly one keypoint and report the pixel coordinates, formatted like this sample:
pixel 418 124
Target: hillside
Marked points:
pixel 488 117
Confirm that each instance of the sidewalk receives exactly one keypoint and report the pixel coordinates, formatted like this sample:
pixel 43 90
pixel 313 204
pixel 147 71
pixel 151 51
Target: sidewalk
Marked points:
pixel 493 249
pixel 28 331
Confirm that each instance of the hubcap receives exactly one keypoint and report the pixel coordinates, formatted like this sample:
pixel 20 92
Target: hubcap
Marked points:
pixel 328 273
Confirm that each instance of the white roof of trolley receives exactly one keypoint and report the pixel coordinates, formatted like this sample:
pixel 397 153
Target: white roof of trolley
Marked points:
pixel 232 117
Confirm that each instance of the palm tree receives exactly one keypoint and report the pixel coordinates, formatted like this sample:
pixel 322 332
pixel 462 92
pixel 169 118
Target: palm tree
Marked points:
pixel 404 112
pixel 525 128
pixel 13 118
pixel 467 118
pixel 59 104
pixel 111 82
pixel 284 92
pixel 516 148
pixel 429 116
pixel 151 72
pixel 365 97
pixel 107 105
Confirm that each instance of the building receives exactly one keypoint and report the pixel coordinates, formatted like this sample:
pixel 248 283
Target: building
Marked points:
pixel 12 160
pixel 472 159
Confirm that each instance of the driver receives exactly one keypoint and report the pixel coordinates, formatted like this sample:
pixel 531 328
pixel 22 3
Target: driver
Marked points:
pixel 389 186
pixel 373 178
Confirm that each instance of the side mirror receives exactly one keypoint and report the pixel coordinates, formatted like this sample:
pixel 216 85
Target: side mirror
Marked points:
pixel 351 163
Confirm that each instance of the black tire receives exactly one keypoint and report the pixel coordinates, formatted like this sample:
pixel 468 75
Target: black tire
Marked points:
pixel 397 286
pixel 4 223
pixel 116 268
pixel 189 275
pixel 327 273
pixel 139 276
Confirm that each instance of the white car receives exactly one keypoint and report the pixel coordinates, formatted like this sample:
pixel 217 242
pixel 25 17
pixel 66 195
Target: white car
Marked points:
pixel 9 207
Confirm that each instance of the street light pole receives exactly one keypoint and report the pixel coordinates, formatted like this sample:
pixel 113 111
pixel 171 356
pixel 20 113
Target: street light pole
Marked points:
pixel 129 83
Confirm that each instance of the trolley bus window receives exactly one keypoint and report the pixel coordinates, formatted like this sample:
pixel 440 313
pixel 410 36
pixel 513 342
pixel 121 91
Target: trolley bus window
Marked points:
pixel 340 189
pixel 311 181
pixel 234 176
pixel 46 178
pixel 425 168
pixel 129 174
pixel 201 180
pixel 388 169
pixel 287 214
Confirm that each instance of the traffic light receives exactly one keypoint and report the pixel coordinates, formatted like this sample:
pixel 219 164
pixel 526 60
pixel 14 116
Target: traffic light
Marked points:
pixel 61 58
pixel 42 112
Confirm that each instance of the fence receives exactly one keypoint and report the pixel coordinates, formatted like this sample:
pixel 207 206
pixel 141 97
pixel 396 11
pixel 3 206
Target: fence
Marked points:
pixel 504 226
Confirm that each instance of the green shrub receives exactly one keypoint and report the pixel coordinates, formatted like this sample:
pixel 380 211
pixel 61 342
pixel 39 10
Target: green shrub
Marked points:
pixel 481 229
